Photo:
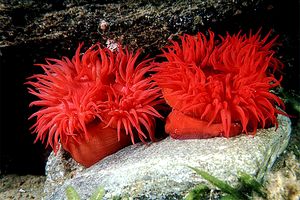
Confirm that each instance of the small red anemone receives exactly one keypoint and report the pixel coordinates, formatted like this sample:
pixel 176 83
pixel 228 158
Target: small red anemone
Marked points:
pixel 99 88
pixel 215 88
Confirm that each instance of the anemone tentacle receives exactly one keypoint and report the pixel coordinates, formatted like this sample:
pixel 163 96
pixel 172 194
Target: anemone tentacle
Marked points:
pixel 227 83
pixel 133 97
pixel 96 86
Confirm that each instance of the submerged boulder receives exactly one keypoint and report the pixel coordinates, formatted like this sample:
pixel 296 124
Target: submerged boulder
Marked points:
pixel 159 171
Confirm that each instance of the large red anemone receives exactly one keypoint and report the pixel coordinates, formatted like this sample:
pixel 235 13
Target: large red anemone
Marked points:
pixel 98 87
pixel 219 87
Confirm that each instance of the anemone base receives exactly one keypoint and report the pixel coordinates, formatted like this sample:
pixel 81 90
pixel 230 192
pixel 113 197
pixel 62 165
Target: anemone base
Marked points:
pixel 181 126
pixel 102 142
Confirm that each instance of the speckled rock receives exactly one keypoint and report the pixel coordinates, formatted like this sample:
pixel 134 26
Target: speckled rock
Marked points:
pixel 137 23
pixel 159 171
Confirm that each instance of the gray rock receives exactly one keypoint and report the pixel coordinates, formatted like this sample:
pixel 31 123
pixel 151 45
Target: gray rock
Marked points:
pixel 159 171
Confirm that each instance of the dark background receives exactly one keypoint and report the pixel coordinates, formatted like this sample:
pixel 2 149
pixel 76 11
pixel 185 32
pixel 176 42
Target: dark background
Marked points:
pixel 19 155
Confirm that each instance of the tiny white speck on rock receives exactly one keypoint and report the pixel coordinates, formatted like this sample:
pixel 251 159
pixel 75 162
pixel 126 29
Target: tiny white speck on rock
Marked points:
pixel 112 45
pixel 22 191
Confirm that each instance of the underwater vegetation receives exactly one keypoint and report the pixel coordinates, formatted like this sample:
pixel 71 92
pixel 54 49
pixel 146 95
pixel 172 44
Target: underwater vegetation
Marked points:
pixel 247 186
pixel 72 194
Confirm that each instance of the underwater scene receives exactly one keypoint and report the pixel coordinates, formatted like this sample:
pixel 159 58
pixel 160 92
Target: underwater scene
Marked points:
pixel 146 99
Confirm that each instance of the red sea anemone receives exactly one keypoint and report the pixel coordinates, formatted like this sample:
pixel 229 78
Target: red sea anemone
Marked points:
pixel 99 94
pixel 219 89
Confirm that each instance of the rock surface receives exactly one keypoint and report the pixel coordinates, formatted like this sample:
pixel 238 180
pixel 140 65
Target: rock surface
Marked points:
pixel 21 187
pixel 137 23
pixel 160 171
